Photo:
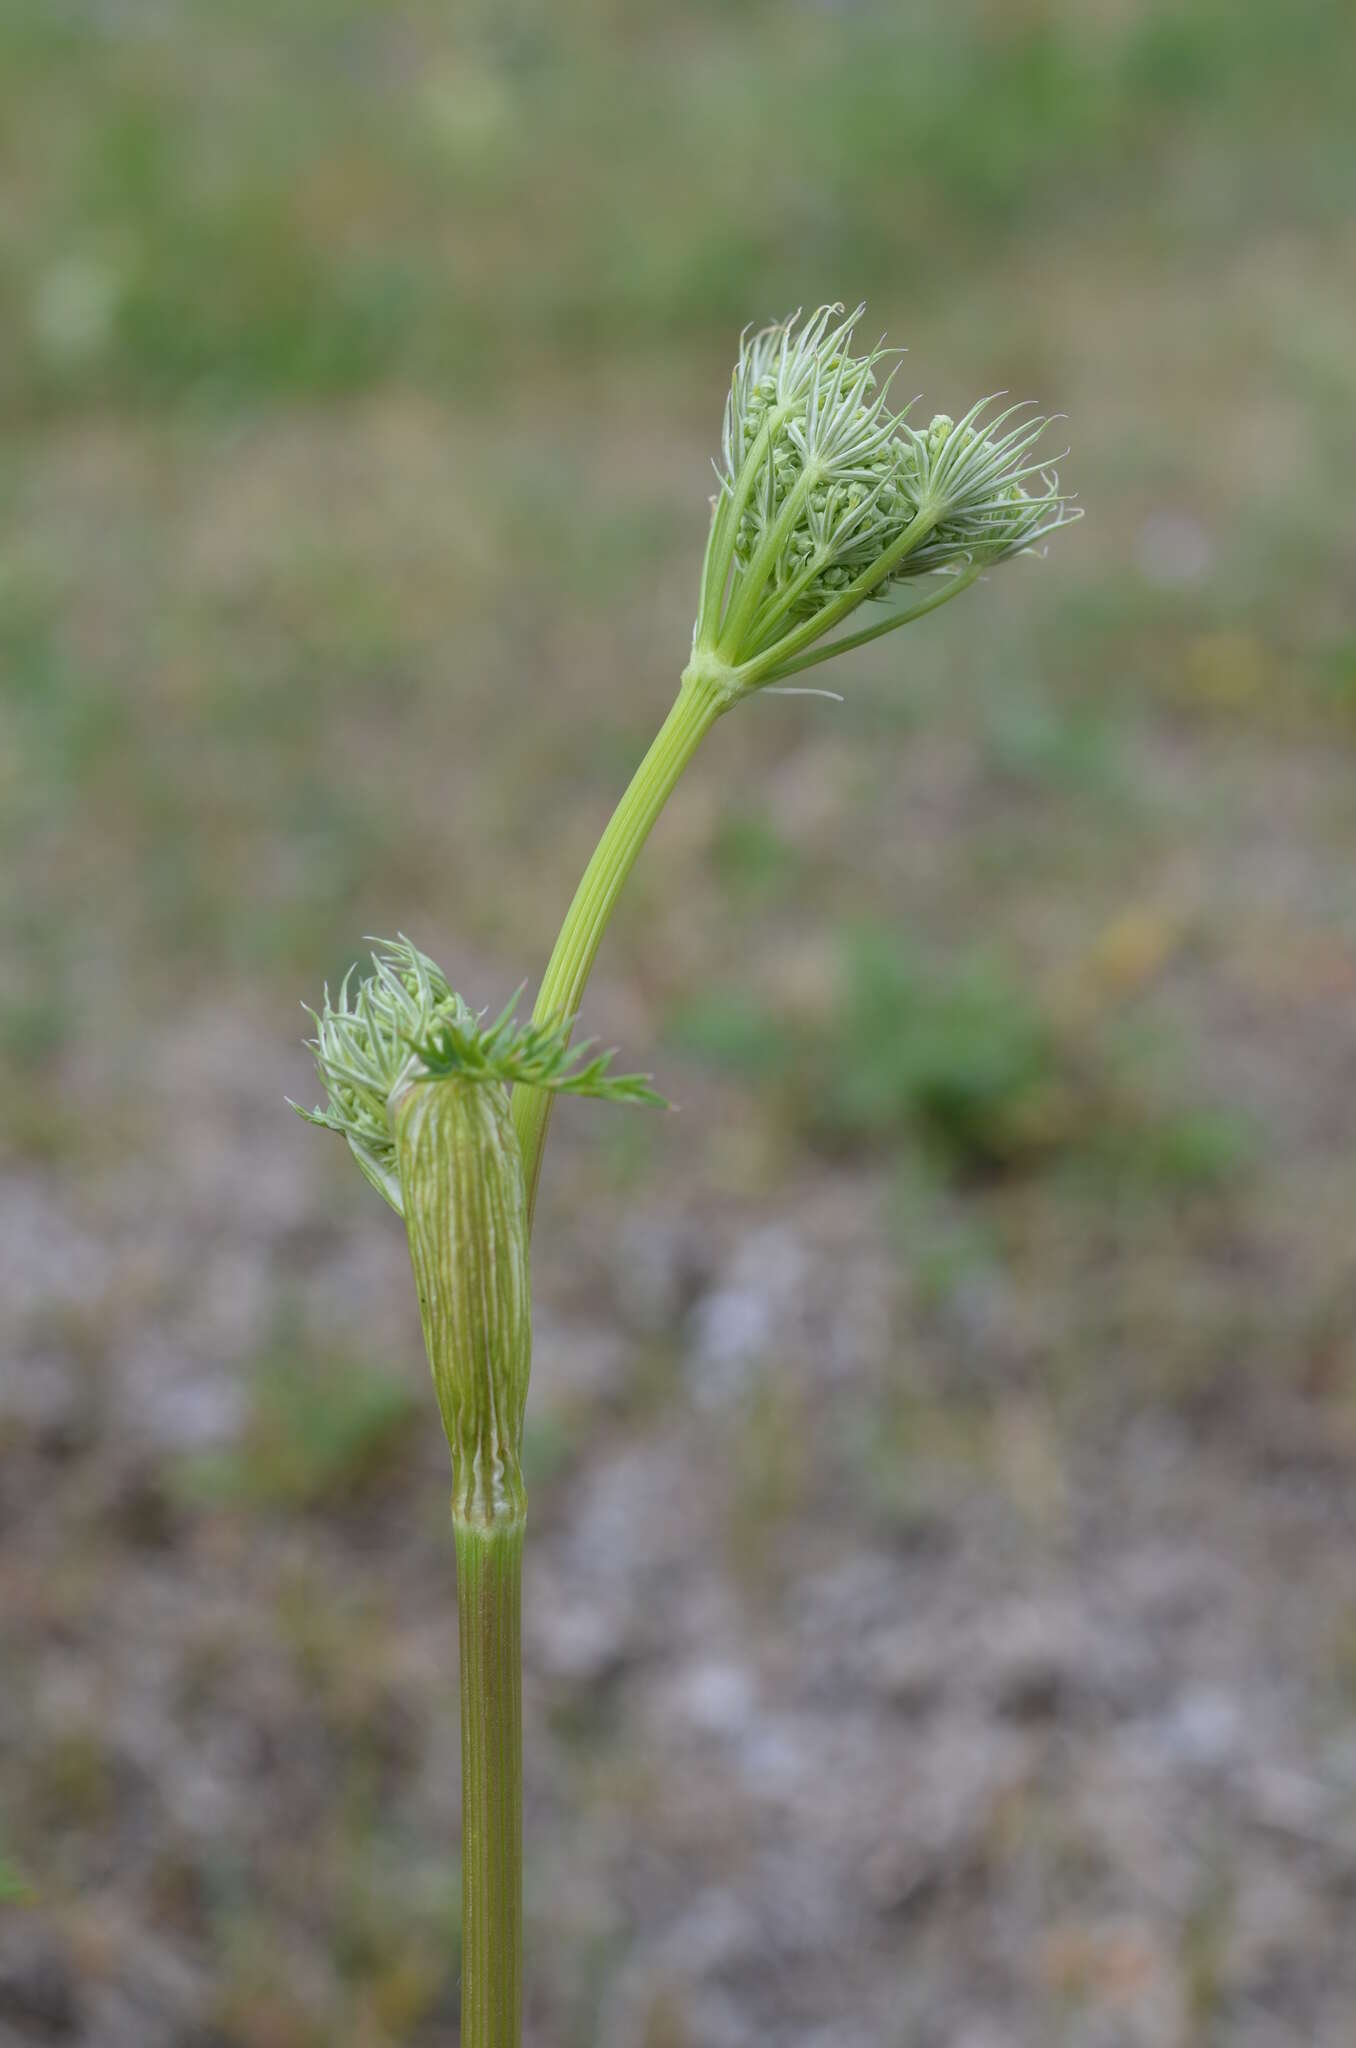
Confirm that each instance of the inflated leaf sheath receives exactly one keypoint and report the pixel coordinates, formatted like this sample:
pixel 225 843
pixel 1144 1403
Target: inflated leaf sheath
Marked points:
pixel 461 1178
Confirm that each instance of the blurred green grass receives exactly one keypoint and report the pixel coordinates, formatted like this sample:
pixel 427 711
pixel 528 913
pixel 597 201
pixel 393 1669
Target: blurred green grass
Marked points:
pixel 364 369
pixel 321 1433
pixel 284 203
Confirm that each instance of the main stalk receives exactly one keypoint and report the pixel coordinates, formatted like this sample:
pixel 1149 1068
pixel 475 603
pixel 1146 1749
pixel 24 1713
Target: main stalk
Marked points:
pixel 489 1627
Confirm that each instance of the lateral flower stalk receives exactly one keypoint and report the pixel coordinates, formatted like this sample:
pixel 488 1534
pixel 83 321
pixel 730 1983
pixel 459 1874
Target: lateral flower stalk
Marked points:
pixel 827 500
pixel 698 705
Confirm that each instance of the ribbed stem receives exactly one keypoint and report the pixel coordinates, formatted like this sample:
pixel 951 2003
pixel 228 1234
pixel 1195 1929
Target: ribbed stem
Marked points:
pixel 489 1627
pixel 694 712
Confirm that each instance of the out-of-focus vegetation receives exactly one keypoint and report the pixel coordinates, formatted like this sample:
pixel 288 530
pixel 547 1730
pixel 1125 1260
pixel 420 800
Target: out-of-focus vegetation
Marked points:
pixel 321 1432
pixel 349 325
pixel 362 368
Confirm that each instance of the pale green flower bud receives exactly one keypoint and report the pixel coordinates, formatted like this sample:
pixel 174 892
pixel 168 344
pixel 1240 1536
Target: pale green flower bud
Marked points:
pixel 940 428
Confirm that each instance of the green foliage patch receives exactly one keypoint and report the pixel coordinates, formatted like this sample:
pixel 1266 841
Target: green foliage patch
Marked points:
pixel 321 1433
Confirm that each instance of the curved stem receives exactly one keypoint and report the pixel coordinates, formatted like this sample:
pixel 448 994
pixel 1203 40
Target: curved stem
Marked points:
pixel 695 710
pixel 489 1628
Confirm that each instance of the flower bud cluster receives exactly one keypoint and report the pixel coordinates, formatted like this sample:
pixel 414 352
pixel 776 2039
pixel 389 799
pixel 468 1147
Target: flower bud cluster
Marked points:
pixel 827 497
pixel 991 501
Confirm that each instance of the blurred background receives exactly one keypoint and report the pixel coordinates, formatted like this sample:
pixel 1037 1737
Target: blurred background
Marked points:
pixel 942 1631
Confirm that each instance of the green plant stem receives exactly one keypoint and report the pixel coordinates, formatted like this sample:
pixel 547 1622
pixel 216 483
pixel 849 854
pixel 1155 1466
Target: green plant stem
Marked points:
pixel 695 710
pixel 489 1626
